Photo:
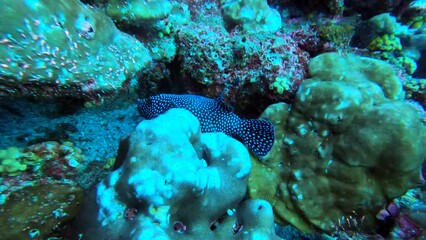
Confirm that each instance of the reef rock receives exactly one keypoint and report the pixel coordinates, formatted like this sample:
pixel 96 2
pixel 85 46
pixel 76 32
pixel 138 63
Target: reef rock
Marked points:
pixel 36 212
pixel 64 48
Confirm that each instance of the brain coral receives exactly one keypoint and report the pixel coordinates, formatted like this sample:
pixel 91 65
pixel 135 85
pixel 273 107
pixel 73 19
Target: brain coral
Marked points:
pixel 176 183
pixel 348 144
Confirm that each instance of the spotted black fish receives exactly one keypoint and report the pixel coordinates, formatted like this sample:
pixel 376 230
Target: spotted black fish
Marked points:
pixel 214 116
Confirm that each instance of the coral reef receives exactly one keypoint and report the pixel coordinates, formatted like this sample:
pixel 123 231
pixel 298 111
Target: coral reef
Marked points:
pixel 385 43
pixel 348 143
pixel 10 163
pixel 389 38
pixel 49 159
pixel 252 15
pixel 249 64
pixel 138 11
pixel 416 89
pixel 176 183
pixel 337 33
pixel 39 211
pixel 64 48
pixel 378 26
pixel 38 194
pixel 349 140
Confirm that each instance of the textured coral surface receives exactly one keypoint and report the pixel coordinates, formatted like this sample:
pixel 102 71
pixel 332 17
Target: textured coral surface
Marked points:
pixel 174 183
pixel 64 48
pixel 347 145
pixel 34 212
pixel 344 81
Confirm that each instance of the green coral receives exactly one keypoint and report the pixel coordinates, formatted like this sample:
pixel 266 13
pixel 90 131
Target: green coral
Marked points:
pixel 416 22
pixel 408 64
pixel 352 69
pixel 388 46
pixel 416 88
pixel 12 162
pixel 252 15
pixel 337 33
pixel 349 142
pixel 137 11
pixel 388 24
pixel 385 43
pixel 280 85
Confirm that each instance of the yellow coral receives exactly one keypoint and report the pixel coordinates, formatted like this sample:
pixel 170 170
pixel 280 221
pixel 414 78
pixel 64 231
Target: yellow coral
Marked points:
pixel 416 22
pixel 336 33
pixel 12 152
pixel 11 165
pixel 280 85
pixel 14 161
pixel 408 63
pixel 109 163
pixel 387 42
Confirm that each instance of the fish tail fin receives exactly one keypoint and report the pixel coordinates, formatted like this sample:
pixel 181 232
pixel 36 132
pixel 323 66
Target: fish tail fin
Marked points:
pixel 257 135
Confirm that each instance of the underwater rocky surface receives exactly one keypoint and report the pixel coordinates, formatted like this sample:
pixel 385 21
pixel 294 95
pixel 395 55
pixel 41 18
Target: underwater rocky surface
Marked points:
pixel 313 124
